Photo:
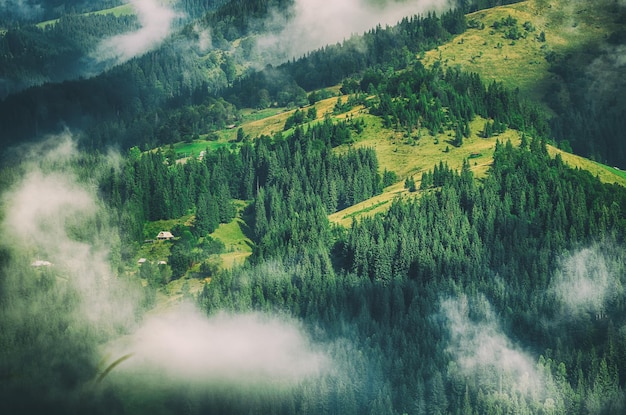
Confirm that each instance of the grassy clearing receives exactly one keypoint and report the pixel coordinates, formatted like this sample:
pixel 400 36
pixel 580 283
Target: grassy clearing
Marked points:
pixel 123 10
pixel 238 245
pixel 411 158
pixel 568 27
pixel 194 148
pixel 605 173
pixel 369 207
pixel 272 120
pixel 519 64
pixel 250 115
pixel 233 235
pixel 616 171
pixel 479 165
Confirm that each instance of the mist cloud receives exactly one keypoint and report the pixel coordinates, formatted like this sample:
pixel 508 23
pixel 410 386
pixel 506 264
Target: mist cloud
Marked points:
pixel 59 297
pixel 51 214
pixel 316 23
pixel 63 309
pixel 482 352
pixel 588 280
pixel 156 19
pixel 246 349
pixel 21 8
pixel 606 75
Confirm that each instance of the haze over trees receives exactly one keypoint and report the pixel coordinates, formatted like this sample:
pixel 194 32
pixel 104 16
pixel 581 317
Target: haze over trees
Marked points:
pixel 502 294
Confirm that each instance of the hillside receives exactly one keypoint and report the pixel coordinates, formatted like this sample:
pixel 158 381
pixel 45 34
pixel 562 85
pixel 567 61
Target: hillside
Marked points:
pixel 522 60
pixel 563 55
pixel 395 152
pixel 367 229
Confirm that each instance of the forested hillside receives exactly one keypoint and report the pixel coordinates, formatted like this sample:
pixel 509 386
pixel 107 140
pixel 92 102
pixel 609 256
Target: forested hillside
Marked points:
pixel 181 75
pixel 476 297
pixel 465 294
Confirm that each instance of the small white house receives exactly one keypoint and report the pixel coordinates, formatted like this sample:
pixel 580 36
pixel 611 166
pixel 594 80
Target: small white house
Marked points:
pixel 165 236
pixel 142 261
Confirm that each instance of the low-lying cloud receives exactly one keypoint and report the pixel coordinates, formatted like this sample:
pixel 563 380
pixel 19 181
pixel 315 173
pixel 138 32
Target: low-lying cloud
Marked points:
pixel 64 309
pixel 244 349
pixel 316 23
pixel 21 8
pixel 156 19
pixel 484 353
pixel 587 280
pixel 50 213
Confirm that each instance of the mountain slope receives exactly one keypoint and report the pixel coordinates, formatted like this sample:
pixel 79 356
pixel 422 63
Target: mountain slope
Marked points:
pixel 570 61
pixel 524 62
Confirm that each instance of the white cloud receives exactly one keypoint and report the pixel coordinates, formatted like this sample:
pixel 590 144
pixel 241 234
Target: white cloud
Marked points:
pixel 50 214
pixel 484 353
pixel 156 19
pixel 586 281
pixel 22 8
pixel 316 23
pixel 246 349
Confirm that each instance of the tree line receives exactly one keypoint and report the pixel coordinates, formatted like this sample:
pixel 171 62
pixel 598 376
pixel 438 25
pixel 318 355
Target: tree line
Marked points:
pixel 381 283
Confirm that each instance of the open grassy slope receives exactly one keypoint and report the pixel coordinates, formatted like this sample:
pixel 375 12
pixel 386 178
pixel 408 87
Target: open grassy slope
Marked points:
pixel 570 27
pixel 414 161
pixel 123 10
pixel 395 153
pixel 237 245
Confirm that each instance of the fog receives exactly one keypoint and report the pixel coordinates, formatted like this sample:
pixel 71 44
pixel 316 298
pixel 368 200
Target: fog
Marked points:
pixel 23 9
pixel 156 19
pixel 51 214
pixel 606 75
pixel 316 23
pixel 587 280
pixel 183 344
pixel 482 352
pixel 72 329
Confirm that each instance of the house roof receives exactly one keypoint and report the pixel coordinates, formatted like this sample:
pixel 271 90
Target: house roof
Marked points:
pixel 165 235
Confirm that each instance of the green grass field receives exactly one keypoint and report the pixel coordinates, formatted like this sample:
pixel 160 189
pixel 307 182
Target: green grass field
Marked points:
pixel 123 10
pixel 185 150
pixel 517 64
pixel 238 245
pixel 616 171
pixel 569 27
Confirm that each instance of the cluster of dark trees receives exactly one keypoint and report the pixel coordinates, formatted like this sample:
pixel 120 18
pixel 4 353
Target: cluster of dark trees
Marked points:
pixel 16 13
pixel 239 18
pixel 438 101
pixel 382 48
pixel 280 174
pixel 179 78
pixel 381 283
pixel 591 120
pixel 30 55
